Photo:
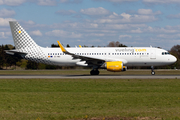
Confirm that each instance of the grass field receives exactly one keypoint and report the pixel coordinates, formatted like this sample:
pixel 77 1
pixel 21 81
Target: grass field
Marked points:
pixel 86 72
pixel 58 99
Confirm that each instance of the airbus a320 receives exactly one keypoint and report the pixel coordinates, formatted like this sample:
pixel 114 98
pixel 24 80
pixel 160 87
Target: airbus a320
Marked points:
pixel 115 59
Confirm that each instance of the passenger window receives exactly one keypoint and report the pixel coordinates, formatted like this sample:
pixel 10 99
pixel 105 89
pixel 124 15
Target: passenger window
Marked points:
pixel 127 53
pixel 117 53
pixel 94 53
pixel 109 53
pixel 122 53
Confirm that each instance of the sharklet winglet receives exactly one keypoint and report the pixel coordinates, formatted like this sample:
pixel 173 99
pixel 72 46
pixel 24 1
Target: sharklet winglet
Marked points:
pixel 62 48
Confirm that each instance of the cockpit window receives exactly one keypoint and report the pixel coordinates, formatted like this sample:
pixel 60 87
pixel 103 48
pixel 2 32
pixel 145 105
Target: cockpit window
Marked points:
pixel 165 53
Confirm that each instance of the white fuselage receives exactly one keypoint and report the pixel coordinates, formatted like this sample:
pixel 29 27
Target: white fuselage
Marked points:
pixel 130 56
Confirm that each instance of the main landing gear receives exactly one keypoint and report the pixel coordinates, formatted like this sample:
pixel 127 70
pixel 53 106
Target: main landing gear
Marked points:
pixel 152 70
pixel 94 72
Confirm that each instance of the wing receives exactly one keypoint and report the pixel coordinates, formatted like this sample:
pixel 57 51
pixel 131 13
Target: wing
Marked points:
pixel 91 61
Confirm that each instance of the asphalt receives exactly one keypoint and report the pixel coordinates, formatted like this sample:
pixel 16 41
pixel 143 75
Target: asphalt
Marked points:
pixel 89 77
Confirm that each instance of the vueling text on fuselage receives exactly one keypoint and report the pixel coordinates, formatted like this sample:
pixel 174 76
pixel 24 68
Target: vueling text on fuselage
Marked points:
pixel 130 50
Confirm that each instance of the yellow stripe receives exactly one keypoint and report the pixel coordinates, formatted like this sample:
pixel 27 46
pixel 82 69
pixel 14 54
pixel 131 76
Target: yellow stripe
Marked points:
pixel 80 46
pixel 62 48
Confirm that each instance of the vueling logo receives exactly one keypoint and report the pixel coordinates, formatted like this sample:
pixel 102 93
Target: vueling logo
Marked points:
pixel 140 50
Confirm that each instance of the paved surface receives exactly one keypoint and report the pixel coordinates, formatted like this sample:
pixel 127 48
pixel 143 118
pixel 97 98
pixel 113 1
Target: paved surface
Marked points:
pixel 90 77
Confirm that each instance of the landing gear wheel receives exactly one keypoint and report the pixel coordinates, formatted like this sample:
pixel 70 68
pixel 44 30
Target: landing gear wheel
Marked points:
pixel 152 73
pixel 94 72
pixel 152 70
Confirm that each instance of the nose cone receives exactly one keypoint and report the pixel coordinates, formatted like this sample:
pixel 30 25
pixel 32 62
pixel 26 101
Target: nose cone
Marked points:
pixel 173 59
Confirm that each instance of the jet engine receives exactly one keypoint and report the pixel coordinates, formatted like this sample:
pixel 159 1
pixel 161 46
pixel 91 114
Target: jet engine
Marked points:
pixel 115 66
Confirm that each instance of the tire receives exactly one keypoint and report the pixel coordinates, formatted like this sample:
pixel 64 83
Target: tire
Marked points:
pixel 152 73
pixel 94 72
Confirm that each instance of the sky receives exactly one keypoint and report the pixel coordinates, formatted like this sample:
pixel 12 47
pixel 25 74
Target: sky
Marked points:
pixel 137 23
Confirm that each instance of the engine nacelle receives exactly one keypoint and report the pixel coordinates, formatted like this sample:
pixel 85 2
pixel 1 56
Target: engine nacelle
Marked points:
pixel 115 66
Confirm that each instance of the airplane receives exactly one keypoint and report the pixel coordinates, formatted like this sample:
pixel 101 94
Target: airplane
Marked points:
pixel 114 59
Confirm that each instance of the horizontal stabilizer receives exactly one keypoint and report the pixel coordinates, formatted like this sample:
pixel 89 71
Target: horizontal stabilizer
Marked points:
pixel 13 52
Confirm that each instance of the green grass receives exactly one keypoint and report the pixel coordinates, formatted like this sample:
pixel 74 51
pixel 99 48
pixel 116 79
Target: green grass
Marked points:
pixel 53 99
pixel 86 72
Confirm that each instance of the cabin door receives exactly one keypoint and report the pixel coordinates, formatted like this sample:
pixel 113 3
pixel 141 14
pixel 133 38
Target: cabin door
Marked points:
pixel 153 54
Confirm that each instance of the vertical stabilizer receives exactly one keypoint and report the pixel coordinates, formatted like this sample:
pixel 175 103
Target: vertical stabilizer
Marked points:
pixel 21 38
pixel 25 44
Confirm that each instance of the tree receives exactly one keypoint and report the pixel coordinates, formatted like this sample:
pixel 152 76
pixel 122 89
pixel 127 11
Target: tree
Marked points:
pixel 175 50
pixel 32 65
pixel 1 57
pixel 67 45
pixel 116 44
pixel 54 45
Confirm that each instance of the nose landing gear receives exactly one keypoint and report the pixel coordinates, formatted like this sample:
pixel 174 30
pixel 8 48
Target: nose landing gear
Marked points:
pixel 152 70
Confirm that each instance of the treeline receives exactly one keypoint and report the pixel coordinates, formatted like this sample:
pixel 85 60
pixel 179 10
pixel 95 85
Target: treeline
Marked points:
pixel 7 60
pixel 16 62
